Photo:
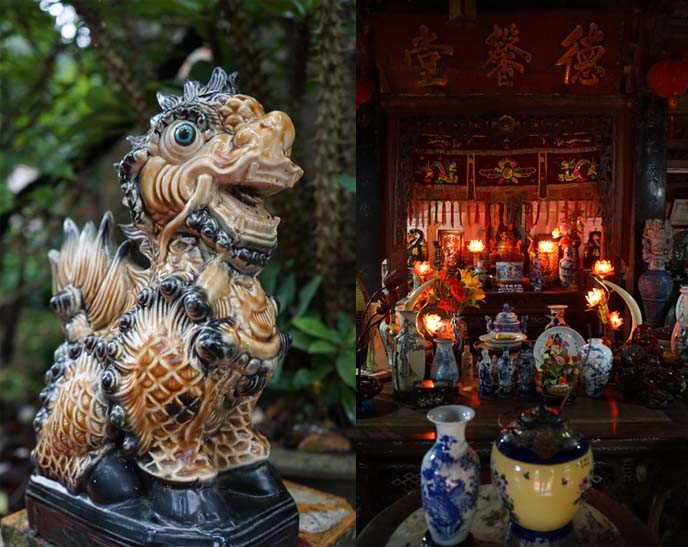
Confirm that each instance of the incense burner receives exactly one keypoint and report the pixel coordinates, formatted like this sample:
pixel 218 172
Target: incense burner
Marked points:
pixel 145 435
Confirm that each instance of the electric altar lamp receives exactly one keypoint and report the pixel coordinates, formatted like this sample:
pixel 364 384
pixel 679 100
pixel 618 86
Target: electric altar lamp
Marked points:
pixel 602 268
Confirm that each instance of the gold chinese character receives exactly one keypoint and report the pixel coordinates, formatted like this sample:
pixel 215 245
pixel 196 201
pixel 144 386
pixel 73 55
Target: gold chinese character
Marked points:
pixel 426 53
pixel 504 54
pixel 582 56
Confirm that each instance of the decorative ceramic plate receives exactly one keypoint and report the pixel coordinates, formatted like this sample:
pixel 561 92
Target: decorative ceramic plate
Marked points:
pixel 515 339
pixel 571 340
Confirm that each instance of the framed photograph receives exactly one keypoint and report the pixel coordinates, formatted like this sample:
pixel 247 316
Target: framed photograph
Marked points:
pixel 451 246
pixel 679 213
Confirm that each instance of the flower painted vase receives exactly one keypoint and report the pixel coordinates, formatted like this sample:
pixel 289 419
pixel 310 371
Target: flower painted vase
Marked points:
pixel 485 375
pixel 444 365
pixel 679 336
pixel 567 268
pixel 450 477
pixel 409 355
pixel 526 372
pixel 597 364
pixel 505 375
pixel 541 468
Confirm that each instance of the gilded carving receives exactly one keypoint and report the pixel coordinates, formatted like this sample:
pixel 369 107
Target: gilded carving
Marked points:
pixel 583 56
pixel 163 363
pixel 426 53
pixel 505 58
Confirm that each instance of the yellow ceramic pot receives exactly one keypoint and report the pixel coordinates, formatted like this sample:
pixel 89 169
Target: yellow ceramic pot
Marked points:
pixel 541 468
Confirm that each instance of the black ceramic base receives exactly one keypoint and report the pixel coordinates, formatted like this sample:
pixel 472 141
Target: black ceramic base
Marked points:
pixel 427 541
pixel 247 507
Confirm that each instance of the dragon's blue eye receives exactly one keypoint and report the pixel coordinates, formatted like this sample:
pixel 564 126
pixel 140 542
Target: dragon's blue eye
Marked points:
pixel 185 134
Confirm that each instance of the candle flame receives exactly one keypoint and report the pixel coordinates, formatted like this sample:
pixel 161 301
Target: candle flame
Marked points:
pixel 546 246
pixel 603 268
pixel 556 233
pixel 427 384
pixel 422 268
pixel 476 246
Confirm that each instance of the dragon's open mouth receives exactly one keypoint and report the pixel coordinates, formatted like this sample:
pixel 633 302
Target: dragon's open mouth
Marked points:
pixel 236 224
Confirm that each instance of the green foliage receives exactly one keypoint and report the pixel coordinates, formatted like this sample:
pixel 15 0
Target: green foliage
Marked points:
pixel 324 356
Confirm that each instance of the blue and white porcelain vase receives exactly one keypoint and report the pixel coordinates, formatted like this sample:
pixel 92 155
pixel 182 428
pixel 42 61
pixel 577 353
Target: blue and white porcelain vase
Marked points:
pixel 485 375
pixel 444 365
pixel 526 372
pixel 409 356
pixel 505 375
pixel 450 477
pixel 596 359
pixel 679 336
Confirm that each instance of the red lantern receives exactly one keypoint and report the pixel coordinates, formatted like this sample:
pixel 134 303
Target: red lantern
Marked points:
pixel 364 90
pixel 669 78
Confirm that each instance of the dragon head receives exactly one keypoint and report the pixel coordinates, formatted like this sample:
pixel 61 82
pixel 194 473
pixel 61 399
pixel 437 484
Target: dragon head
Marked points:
pixel 204 168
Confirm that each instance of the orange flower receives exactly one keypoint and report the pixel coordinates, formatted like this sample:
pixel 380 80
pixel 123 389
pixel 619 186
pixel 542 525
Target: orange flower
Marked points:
pixel 458 292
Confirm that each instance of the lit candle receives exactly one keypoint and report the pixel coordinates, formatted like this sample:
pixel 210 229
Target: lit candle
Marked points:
pixel 546 246
pixel 603 268
pixel 476 246
pixel 422 268
pixel 595 297
pixel 615 320
pixel 427 384
pixel 556 233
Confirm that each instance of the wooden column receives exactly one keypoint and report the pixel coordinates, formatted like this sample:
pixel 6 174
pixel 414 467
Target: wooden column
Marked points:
pixel 369 224
pixel 650 195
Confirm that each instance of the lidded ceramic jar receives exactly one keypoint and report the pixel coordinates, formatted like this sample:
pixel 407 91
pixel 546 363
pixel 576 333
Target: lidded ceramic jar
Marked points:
pixel 541 468
pixel 506 320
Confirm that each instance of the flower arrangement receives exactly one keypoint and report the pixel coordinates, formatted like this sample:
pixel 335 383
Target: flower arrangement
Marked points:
pixel 559 368
pixel 453 293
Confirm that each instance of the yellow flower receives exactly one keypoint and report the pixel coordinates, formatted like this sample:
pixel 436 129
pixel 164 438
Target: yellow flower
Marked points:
pixel 477 294
pixel 469 280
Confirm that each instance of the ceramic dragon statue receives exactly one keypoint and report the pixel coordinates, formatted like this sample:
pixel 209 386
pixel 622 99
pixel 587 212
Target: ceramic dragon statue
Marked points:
pixel 163 362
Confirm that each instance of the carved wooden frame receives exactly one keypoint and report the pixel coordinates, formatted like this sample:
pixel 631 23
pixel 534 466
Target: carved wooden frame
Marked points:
pixel 609 118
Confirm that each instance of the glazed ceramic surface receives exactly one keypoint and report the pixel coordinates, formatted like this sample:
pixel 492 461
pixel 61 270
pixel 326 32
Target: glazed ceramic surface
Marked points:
pixel 597 364
pixel 506 340
pixel 505 374
pixel 444 365
pixel 526 372
pixel 409 355
pixel 541 468
pixel 485 375
pixel 450 477
pixel 162 364
pixel 679 335
pixel 570 339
